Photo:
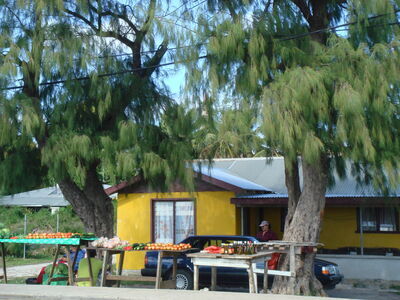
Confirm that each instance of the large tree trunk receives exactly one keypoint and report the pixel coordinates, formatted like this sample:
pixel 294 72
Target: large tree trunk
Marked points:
pixel 91 204
pixel 304 226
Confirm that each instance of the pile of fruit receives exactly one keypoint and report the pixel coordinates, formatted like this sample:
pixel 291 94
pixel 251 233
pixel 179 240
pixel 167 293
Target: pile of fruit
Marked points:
pixel 167 246
pixel 213 249
pixel 136 246
pixel 57 235
pixel 114 243
pixel 158 246
pixel 53 235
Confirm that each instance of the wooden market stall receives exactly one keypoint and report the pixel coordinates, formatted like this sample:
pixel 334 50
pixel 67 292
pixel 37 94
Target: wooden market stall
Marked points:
pixel 59 242
pixel 249 261
pixel 119 277
pixel 245 261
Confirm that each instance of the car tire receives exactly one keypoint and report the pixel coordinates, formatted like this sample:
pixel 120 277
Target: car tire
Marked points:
pixel 184 280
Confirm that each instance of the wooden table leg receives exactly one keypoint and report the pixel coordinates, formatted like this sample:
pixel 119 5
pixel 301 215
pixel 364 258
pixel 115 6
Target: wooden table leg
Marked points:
pixel 159 269
pixel 251 278
pixel 3 254
pixel 265 288
pixel 70 268
pixel 104 270
pixel 120 265
pixel 92 283
pixel 196 277
pixel 213 278
pixel 53 266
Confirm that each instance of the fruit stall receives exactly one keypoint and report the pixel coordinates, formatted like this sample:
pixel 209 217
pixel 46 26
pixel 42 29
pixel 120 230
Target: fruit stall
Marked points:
pixel 246 255
pixel 59 239
pixel 114 246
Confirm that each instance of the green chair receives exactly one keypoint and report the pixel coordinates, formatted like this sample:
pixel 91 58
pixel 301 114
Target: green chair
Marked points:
pixel 83 270
pixel 60 270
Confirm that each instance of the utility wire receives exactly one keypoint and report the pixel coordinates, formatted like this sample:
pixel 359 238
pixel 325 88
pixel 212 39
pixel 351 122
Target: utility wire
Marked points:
pixel 286 38
pixel 337 26
pixel 201 57
pixel 150 51
pixel 102 75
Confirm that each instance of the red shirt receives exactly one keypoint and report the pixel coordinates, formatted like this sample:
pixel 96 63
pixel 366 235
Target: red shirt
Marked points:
pixel 265 236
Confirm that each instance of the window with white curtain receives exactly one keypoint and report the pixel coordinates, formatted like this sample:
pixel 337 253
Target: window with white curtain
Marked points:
pixel 173 220
pixel 378 219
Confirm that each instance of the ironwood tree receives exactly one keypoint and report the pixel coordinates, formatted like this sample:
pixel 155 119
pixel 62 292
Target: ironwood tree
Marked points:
pixel 326 75
pixel 82 100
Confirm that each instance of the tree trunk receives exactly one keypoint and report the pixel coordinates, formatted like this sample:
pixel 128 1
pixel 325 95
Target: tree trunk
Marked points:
pixel 292 181
pixel 304 226
pixel 91 204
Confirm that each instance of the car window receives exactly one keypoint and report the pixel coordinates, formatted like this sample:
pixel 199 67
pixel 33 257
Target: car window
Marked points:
pixel 212 243
pixel 199 244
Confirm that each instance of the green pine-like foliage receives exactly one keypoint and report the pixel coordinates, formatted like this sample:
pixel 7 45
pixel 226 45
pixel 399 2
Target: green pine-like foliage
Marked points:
pixel 83 103
pixel 332 92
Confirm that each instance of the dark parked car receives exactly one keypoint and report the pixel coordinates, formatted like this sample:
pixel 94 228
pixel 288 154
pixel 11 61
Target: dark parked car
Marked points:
pixel 326 272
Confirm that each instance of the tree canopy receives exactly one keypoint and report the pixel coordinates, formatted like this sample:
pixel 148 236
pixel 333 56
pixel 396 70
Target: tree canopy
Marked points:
pixel 325 76
pixel 82 98
pixel 83 101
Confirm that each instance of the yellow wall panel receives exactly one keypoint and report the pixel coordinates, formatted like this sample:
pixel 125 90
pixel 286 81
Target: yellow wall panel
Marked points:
pixel 214 215
pixel 339 230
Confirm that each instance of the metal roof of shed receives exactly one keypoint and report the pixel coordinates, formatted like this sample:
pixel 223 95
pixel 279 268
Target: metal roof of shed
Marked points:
pixel 230 177
pixel 270 173
pixel 50 196
pixel 46 197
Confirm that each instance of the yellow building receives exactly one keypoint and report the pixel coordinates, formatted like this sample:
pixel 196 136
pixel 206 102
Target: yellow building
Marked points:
pixel 235 195
pixel 145 215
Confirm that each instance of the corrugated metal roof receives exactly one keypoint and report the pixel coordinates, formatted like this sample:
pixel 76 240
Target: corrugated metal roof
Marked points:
pixel 50 196
pixel 270 173
pixel 46 197
pixel 229 177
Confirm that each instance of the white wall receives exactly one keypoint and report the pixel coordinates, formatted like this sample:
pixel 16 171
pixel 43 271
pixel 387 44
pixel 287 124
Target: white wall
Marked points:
pixel 366 266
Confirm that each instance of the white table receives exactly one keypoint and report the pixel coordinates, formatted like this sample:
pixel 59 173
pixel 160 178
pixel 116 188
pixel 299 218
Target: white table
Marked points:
pixel 289 248
pixel 245 261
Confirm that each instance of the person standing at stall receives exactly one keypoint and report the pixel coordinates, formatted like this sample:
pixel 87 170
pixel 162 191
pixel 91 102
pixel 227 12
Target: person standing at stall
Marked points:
pixel 266 234
pixel 81 254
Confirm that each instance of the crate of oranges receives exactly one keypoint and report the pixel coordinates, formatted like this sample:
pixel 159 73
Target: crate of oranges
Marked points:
pixel 167 246
pixel 56 235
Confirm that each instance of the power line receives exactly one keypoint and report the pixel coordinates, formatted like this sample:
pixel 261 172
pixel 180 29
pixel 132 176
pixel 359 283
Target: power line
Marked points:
pixel 150 51
pixel 290 37
pixel 338 26
pixel 102 75
pixel 201 57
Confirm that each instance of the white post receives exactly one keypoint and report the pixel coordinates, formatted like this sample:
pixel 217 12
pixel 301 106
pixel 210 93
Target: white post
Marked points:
pixel 58 223
pixel 24 234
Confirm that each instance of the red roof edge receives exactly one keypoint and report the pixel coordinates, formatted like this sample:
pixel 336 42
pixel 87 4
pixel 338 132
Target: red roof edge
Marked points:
pixel 222 184
pixel 116 188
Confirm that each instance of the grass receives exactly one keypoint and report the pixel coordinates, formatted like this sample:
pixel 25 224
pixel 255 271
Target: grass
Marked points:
pixel 18 261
